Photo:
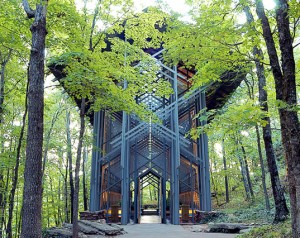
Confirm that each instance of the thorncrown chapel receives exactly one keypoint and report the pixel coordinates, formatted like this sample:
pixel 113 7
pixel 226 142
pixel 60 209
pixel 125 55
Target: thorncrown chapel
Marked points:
pixel 130 155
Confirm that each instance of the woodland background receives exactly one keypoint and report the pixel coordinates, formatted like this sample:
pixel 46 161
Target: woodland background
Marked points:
pixel 215 40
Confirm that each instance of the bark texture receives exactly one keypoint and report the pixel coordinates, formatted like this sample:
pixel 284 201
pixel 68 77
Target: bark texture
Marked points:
pixel 32 195
pixel 77 168
pixel 247 170
pixel 243 173
pixel 285 84
pixel 85 198
pixel 16 171
pixel 70 163
pixel 263 171
pixel 48 136
pixel 2 202
pixel 66 194
pixel 289 117
pixel 4 60
pixel 226 176
pixel 281 210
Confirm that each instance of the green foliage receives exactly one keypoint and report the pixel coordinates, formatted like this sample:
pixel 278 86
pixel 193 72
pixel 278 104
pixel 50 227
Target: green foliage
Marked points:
pixel 281 230
pixel 79 38
pixel 145 28
pixel 212 44
pixel 243 115
pixel 91 70
pixel 253 211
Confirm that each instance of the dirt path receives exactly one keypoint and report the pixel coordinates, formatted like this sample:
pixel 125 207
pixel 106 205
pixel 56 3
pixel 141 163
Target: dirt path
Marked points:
pixel 167 231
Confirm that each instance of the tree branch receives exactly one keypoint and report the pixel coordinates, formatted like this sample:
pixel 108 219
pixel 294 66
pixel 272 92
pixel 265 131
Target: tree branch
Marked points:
pixel 97 9
pixel 30 13
pixel 296 45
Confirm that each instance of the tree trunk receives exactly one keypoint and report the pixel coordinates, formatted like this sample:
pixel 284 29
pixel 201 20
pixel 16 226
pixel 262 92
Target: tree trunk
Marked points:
pixel 48 136
pixel 4 62
pixel 32 195
pixel 263 172
pixel 288 115
pixel 150 193
pixel 244 178
pixel 247 170
pixel 53 202
pixel 5 185
pixel 48 213
pixel 59 197
pixel 19 222
pixel 285 85
pixel 69 154
pixel 3 189
pixel 77 168
pixel 243 173
pixel 226 176
pixel 213 181
pixel 281 210
pixel 67 220
pixel 16 171
pixel 2 196
pixel 85 199
pixel 17 217
pixel 2 209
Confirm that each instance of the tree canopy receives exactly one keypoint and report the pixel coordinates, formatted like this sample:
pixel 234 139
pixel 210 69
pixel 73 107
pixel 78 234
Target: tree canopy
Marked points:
pixel 97 55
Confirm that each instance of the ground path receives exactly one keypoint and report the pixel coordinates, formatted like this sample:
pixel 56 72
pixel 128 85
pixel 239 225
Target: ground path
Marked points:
pixel 166 231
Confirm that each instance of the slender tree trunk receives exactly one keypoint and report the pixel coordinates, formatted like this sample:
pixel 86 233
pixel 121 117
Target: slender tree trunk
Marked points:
pixel 48 213
pixel 243 173
pixel 69 154
pixel 85 199
pixel 2 195
pixel 2 81
pixel 247 170
pixel 150 193
pixel 244 179
pixel 67 220
pixel 77 168
pixel 213 181
pixel 4 62
pixel 281 211
pixel 48 136
pixel 226 176
pixel 262 166
pixel 59 198
pixel 5 192
pixel 19 223
pixel 53 202
pixel 32 195
pixel 17 216
pixel 16 171
pixel 4 187
pixel 285 84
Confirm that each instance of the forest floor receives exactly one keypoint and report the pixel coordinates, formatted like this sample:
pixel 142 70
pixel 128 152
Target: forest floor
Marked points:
pixel 254 213
pixel 167 231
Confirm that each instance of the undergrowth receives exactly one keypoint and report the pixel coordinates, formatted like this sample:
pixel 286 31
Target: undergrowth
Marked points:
pixel 253 212
pixel 281 230
pixel 238 211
